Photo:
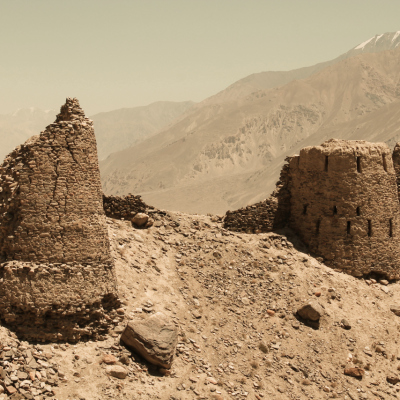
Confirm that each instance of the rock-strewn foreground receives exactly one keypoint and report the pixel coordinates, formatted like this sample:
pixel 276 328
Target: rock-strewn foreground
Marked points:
pixel 233 298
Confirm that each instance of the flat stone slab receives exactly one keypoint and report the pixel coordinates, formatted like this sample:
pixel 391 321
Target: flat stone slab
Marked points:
pixel 154 338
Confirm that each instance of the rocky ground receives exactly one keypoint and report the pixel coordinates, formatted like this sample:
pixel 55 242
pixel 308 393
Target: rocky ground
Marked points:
pixel 234 299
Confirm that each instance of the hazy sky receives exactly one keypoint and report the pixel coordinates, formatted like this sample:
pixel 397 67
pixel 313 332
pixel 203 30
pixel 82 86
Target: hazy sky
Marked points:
pixel 125 53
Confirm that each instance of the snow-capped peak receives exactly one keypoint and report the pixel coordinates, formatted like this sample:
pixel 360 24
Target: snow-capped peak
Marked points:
pixel 363 44
pixel 395 36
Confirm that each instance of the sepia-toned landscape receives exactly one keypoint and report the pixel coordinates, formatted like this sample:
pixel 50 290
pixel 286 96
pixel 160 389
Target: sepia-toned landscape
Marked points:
pixel 244 245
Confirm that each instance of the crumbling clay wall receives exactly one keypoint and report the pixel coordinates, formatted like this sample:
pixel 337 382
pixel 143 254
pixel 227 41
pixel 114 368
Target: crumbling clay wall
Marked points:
pixel 265 216
pixel 125 207
pixel 345 207
pixel 396 164
pixel 57 273
pixel 51 198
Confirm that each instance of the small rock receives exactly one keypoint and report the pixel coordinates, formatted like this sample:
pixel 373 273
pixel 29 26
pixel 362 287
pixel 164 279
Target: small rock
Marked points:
pixel 117 371
pixel 270 313
pixel 395 309
pixel 393 379
pixel 11 389
pixel 384 282
pixel 140 219
pixel 245 301
pixel 217 254
pixel 311 311
pixel 296 325
pixel 354 371
pixel 345 324
pixel 196 314
pixel 109 359
pixel 124 359
pixel 212 380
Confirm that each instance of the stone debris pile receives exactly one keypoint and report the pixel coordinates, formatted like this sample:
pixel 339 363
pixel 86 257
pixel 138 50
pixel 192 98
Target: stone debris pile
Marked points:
pixel 28 370
pixel 125 207
pixel 57 279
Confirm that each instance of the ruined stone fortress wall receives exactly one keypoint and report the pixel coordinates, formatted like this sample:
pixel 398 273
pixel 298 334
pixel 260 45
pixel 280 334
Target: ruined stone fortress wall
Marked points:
pixel 124 207
pixel 265 216
pixel 345 207
pixel 56 278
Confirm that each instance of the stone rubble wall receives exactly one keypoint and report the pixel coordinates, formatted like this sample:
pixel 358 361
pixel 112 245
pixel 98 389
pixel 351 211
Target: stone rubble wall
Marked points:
pixel 124 207
pixel 57 280
pixel 58 302
pixel 265 216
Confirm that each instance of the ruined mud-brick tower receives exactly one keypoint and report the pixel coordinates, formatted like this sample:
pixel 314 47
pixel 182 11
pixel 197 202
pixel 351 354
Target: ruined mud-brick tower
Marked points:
pixel 345 206
pixel 57 280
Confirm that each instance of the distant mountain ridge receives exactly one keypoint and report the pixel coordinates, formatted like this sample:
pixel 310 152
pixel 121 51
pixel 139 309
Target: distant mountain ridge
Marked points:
pixel 271 79
pixel 115 130
pixel 119 129
pixel 227 151
pixel 22 124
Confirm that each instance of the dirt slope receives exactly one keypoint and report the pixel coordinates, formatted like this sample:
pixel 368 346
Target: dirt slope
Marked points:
pixel 233 297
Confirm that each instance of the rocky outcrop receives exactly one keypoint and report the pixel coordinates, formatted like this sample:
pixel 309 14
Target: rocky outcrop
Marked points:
pixel 154 338
pixel 57 279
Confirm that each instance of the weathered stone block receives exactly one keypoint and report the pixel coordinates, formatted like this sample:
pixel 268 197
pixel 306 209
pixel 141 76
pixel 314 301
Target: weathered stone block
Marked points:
pixel 154 338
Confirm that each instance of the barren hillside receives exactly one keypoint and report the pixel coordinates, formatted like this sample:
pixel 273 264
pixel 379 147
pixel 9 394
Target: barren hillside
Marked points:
pixel 17 127
pixel 115 130
pixel 226 155
pixel 234 298
pixel 119 129
pixel 271 79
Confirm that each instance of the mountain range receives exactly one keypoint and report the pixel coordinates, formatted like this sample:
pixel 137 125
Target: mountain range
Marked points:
pixel 227 151
pixel 115 130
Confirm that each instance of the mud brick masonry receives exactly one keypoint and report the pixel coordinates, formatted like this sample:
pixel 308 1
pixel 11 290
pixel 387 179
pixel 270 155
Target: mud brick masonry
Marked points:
pixel 342 200
pixel 124 207
pixel 57 280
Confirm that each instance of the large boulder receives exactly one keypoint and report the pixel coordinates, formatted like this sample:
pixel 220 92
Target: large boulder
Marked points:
pixel 154 338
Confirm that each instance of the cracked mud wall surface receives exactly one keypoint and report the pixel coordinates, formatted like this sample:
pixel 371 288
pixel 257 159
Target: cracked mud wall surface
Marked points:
pixel 57 279
pixel 51 199
pixel 345 207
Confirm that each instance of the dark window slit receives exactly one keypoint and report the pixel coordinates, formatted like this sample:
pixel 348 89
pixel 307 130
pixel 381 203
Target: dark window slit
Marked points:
pixel 359 164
